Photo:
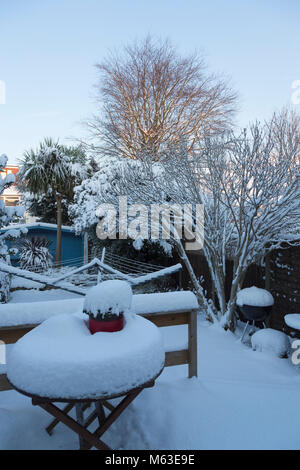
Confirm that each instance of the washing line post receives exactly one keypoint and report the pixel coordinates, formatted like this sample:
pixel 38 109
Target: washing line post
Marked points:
pixel 85 248
pixel 99 277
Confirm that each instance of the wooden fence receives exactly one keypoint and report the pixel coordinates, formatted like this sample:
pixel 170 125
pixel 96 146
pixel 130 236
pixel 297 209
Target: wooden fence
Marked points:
pixel 280 275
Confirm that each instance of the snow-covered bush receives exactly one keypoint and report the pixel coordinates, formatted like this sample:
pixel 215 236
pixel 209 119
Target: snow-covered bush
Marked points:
pixel 272 341
pixel 43 207
pixel 94 191
pixel 7 215
pixel 34 254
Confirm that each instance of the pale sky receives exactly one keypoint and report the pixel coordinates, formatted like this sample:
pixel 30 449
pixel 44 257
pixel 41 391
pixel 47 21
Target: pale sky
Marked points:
pixel 48 50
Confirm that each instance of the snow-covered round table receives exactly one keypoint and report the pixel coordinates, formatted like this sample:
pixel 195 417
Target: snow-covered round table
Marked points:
pixel 60 361
pixel 292 320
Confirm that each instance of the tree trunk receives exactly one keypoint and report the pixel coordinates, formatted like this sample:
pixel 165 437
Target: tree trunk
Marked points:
pixel 203 302
pixel 58 232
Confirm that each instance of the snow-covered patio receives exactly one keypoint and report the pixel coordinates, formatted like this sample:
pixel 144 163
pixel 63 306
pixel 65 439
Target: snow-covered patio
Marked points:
pixel 242 399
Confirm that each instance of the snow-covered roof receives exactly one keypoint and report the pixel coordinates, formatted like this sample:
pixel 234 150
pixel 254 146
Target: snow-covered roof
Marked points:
pixel 11 191
pixel 34 225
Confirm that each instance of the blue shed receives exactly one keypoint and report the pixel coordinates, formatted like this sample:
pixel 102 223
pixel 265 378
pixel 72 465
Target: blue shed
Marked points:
pixel 72 244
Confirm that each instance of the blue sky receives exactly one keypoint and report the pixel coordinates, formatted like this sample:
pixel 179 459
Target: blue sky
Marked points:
pixel 48 50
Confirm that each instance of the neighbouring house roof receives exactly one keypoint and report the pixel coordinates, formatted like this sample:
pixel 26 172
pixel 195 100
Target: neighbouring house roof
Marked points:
pixel 11 191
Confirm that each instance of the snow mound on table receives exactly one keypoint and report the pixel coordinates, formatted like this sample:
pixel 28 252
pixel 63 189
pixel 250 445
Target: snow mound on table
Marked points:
pixel 108 296
pixel 61 359
pixel 293 320
pixel 269 340
pixel 255 297
pixel 164 302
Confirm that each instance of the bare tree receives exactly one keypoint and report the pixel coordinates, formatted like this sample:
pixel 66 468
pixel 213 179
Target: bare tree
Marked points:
pixel 257 184
pixel 149 96
pixel 249 187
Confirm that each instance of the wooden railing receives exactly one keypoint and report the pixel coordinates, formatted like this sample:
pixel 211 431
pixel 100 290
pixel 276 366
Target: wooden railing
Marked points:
pixel 11 334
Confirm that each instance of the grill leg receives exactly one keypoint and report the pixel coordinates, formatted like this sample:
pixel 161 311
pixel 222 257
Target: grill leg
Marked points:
pixel 244 332
pixel 253 328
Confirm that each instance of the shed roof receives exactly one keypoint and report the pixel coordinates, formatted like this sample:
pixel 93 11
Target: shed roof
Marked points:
pixel 37 225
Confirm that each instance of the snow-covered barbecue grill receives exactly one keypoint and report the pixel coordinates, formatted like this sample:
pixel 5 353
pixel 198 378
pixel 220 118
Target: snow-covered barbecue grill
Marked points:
pixel 255 305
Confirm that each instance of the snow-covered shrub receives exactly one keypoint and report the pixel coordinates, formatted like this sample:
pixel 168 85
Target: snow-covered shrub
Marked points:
pixel 273 341
pixel 34 254
pixel 43 207
pixel 93 191
pixel 96 190
pixel 7 215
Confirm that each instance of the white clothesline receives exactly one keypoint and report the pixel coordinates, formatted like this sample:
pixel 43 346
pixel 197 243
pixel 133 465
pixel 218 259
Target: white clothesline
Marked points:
pixel 57 282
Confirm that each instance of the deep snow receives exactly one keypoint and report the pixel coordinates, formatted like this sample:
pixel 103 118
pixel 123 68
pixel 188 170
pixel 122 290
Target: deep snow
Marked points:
pixel 242 399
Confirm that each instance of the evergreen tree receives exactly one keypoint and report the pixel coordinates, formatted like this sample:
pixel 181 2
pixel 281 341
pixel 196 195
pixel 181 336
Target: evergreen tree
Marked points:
pixel 53 169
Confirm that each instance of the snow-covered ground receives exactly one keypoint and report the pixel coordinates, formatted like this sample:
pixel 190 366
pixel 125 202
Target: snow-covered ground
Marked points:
pixel 242 399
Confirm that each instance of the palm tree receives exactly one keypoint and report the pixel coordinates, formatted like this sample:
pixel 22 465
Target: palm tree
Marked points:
pixel 52 169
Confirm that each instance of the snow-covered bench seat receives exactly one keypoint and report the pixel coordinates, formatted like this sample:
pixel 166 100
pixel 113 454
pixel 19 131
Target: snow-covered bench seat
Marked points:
pixel 163 309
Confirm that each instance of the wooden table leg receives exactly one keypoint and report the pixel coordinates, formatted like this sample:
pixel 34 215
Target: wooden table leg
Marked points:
pixel 111 418
pixel 88 439
pixel 55 421
pixel 91 439
pixel 66 409
pixel 100 412
pixel 80 419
